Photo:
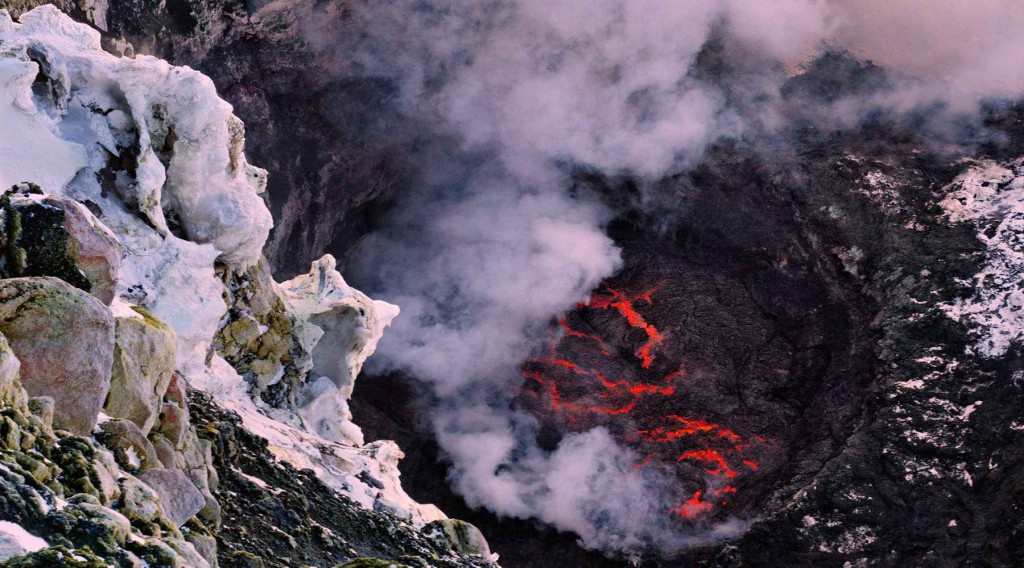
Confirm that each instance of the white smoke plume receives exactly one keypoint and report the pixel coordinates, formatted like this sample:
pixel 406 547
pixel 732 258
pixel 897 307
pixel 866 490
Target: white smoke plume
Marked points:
pixel 491 241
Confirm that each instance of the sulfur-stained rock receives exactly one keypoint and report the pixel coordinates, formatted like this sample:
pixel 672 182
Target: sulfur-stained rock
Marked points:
pixel 64 338
pixel 173 423
pixel 180 498
pixel 257 337
pixel 143 365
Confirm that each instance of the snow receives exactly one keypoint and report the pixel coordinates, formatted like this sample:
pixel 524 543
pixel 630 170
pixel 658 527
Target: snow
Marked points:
pixel 991 195
pixel 338 465
pixel 341 327
pixel 17 541
pixel 103 100
pixel 966 414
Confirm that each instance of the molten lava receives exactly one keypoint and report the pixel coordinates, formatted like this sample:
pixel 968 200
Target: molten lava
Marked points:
pixel 588 387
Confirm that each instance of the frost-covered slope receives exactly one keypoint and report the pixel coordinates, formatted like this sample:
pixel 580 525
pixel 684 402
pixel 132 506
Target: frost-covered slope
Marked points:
pixel 133 172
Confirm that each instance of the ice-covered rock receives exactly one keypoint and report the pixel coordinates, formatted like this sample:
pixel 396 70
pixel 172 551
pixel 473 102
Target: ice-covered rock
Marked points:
pixel 164 222
pixel 368 474
pixel 187 169
pixel 340 326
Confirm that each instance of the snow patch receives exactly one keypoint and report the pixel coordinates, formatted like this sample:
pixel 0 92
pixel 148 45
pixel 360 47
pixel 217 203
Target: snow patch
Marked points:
pixel 991 196
pixel 15 541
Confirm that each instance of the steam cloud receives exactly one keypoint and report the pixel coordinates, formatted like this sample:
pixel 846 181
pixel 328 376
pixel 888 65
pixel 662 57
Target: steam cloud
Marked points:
pixel 491 241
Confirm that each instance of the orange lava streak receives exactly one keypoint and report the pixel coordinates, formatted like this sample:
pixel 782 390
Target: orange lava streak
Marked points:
pixel 578 388
pixel 693 507
pixel 570 332
pixel 624 305
pixel 710 456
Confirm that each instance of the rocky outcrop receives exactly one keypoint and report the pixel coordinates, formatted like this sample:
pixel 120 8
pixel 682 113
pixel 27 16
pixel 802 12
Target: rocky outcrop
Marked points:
pixel 257 335
pixel 130 270
pixel 61 237
pixel 300 520
pixel 64 339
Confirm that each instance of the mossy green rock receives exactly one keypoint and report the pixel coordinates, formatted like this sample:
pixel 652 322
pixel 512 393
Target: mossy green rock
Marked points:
pixel 57 236
pixel 144 352
pixel 257 335
pixel 64 338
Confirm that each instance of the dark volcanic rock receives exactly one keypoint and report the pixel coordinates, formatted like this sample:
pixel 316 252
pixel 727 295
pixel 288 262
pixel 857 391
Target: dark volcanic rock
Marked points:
pixel 292 518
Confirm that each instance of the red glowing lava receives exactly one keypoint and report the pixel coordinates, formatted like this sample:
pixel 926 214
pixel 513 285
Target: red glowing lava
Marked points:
pixel 694 507
pixel 624 304
pixel 579 392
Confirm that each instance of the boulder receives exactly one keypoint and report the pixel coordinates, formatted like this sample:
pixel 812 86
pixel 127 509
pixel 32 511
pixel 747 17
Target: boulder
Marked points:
pixel 131 448
pixel 139 501
pixel 60 237
pixel 165 451
pixel 256 337
pixel 187 553
pixel 144 352
pixel 180 498
pixel 64 338
pixel 42 407
pixel 95 249
pixel 205 545
pixel 174 423
pixel 464 537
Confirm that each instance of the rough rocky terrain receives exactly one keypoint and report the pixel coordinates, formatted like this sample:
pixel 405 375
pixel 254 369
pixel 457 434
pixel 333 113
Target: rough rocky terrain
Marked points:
pixel 132 229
